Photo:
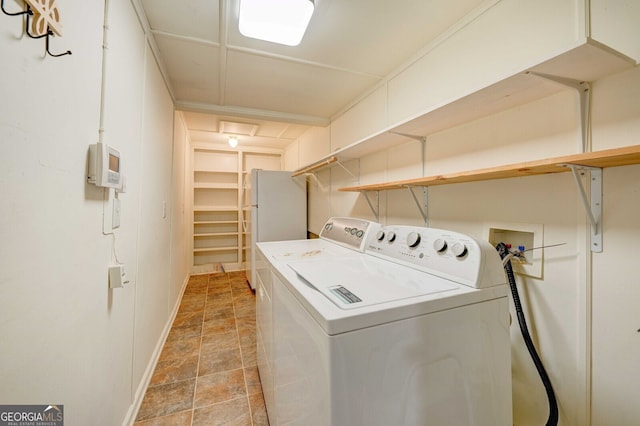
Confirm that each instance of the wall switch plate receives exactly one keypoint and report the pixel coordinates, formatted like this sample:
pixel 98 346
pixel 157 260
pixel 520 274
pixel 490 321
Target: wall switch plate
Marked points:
pixel 115 217
pixel 527 235
pixel 116 276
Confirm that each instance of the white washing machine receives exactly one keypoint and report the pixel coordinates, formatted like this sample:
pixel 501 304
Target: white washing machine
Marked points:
pixel 340 238
pixel 414 331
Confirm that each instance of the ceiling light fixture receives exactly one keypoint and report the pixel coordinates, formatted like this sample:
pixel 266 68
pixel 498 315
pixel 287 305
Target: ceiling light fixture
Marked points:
pixel 277 21
pixel 233 141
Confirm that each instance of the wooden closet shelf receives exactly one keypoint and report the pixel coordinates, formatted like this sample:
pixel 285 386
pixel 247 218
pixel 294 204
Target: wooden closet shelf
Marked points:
pixel 607 158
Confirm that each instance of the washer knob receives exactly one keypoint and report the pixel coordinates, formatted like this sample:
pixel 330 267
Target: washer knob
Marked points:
pixel 413 239
pixel 440 245
pixel 359 234
pixel 328 226
pixel 459 249
pixel 354 231
pixel 380 236
pixel 391 236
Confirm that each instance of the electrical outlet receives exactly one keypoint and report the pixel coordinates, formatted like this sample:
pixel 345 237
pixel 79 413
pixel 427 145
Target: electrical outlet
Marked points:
pixel 520 237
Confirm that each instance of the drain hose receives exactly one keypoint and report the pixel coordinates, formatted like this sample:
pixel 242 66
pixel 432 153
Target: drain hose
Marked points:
pixel 524 330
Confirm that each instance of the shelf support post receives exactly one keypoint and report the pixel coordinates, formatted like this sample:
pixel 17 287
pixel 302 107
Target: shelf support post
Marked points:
pixel 422 206
pixel 584 91
pixel 375 210
pixel 592 205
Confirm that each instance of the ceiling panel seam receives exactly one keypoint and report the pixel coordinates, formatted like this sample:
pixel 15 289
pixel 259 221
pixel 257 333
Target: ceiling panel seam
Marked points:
pixel 186 38
pixel 301 61
pixel 261 114
pixel 151 41
pixel 222 74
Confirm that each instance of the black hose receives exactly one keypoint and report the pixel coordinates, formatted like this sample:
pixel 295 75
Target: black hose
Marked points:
pixel 524 330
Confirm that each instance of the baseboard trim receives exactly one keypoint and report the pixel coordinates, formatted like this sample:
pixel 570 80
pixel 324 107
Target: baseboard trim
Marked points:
pixel 148 373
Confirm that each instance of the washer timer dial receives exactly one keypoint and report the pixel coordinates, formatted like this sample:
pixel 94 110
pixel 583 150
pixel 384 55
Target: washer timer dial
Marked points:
pixel 459 249
pixel 413 239
pixel 440 245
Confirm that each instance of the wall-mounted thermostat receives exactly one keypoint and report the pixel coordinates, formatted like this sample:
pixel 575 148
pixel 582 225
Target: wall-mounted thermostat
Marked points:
pixel 105 166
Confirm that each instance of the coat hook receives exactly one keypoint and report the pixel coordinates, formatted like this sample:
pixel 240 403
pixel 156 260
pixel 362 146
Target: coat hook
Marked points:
pixel 49 33
pixel 30 13
pixel 24 12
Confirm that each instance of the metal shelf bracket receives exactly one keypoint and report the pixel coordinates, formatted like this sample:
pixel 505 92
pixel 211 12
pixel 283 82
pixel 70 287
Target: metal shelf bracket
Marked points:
pixel 374 209
pixel 406 135
pixel 592 204
pixel 339 163
pixel 584 91
pixel 422 205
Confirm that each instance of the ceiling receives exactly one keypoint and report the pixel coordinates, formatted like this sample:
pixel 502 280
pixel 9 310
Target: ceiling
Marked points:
pixel 215 74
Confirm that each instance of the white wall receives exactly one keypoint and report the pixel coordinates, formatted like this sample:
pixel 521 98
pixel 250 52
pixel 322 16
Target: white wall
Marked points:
pixel 557 306
pixel 67 338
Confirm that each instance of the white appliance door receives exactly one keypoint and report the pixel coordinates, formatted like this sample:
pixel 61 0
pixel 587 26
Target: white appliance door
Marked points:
pixel 251 260
pixel 281 206
pixel 278 210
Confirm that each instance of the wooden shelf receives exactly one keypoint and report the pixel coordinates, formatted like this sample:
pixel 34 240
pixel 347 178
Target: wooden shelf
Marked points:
pixel 215 186
pixel 214 249
pixel 608 158
pixel 215 209
pixel 231 172
pixel 215 234
pixel 215 222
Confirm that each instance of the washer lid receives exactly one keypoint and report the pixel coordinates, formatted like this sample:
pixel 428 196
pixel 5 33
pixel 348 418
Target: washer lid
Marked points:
pixel 354 283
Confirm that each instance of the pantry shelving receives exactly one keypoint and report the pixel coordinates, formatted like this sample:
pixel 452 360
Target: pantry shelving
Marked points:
pixel 221 204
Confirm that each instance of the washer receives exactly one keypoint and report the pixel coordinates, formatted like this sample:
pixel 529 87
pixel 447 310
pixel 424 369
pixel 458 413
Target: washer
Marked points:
pixel 413 331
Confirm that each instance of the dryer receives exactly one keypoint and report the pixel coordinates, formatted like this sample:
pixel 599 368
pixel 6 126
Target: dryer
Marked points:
pixel 413 331
pixel 340 238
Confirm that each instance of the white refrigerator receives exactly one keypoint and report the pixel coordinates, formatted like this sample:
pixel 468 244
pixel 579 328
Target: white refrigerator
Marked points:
pixel 278 211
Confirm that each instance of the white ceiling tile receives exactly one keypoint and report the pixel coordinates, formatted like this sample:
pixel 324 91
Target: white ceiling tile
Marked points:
pixel 194 18
pixel 349 47
pixel 313 90
pixel 193 68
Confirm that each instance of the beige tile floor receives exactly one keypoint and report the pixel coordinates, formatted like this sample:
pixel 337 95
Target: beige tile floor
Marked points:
pixel 207 373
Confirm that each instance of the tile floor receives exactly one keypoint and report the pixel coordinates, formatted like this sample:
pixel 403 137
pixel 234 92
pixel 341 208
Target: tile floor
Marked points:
pixel 207 373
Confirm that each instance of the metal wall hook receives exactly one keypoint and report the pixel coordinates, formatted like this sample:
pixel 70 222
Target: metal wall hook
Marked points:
pixel 24 12
pixel 49 33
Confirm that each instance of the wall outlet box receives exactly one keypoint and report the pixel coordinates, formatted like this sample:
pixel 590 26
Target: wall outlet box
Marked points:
pixel 517 235
pixel 116 276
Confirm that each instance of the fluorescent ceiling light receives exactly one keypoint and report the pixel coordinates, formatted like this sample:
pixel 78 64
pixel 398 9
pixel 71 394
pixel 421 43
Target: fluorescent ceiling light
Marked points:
pixel 277 21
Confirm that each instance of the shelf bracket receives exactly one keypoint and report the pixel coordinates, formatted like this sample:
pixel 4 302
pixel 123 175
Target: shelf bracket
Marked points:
pixel 406 135
pixel 339 163
pixel 593 204
pixel 584 91
pixel 422 206
pixel 375 210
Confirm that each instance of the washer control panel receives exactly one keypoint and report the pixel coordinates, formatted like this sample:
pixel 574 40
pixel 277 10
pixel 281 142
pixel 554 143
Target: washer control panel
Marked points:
pixel 448 254
pixel 349 232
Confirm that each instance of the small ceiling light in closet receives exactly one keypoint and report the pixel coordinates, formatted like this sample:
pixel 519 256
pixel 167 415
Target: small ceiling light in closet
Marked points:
pixel 277 21
pixel 233 141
